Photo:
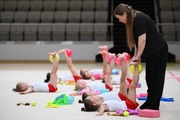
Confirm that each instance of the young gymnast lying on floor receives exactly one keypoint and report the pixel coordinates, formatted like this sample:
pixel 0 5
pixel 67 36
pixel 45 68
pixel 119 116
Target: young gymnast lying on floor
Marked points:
pixel 81 83
pixel 114 101
pixel 85 74
pixel 108 76
pixel 24 88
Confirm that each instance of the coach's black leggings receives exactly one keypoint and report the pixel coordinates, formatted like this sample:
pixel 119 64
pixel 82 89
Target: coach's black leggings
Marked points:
pixel 155 75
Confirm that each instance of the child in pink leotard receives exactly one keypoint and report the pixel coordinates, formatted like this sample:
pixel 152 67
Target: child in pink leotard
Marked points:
pixel 95 74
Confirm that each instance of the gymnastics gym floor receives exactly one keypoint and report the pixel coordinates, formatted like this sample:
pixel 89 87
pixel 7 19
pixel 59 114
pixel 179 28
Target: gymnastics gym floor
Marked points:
pixel 10 74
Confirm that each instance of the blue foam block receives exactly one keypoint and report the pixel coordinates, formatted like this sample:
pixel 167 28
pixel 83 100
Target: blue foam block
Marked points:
pixel 167 99
pixel 162 99
pixel 70 100
pixel 115 72
pixel 71 97
pixel 142 98
pixel 103 91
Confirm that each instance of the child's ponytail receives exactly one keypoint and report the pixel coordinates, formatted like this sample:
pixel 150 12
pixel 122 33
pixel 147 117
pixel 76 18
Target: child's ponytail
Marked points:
pixel 83 109
pixel 14 89
pixel 80 101
pixel 47 78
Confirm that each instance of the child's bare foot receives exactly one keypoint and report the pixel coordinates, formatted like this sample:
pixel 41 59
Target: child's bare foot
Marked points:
pixel 61 51
pixel 124 54
pixel 103 52
pixel 121 56
pixel 52 53
pixel 103 48
pixel 123 63
pixel 112 55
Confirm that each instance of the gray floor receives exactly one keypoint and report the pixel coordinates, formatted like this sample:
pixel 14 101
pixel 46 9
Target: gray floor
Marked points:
pixel 10 74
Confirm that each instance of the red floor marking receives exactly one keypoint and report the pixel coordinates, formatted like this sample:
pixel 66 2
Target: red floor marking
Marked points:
pixel 175 77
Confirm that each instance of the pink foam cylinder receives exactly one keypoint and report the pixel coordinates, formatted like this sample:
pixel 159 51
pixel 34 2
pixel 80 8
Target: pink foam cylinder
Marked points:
pixel 125 59
pixel 149 113
pixel 138 96
pixel 69 52
pixel 143 94
pixel 128 57
pixel 96 91
pixel 118 62
pixel 109 58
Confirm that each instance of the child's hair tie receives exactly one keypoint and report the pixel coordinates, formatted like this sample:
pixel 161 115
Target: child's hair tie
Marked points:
pixel 83 109
pixel 80 101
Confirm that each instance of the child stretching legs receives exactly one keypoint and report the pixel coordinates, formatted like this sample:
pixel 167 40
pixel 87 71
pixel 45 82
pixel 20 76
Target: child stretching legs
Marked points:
pixel 93 102
pixel 96 74
pixel 24 88
pixel 128 100
pixel 80 83
pixel 108 77
pixel 112 103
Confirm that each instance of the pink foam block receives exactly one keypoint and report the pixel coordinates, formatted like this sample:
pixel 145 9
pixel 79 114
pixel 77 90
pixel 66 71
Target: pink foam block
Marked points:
pixel 143 94
pixel 138 96
pixel 149 113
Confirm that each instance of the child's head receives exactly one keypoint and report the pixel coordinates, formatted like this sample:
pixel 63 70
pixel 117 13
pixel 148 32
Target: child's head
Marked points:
pixel 21 86
pixel 88 93
pixel 92 103
pixel 84 96
pixel 80 84
pixel 85 74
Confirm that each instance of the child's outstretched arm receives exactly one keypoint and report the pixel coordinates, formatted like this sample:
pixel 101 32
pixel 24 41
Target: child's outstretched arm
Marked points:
pixel 71 67
pixel 29 90
pixel 102 109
